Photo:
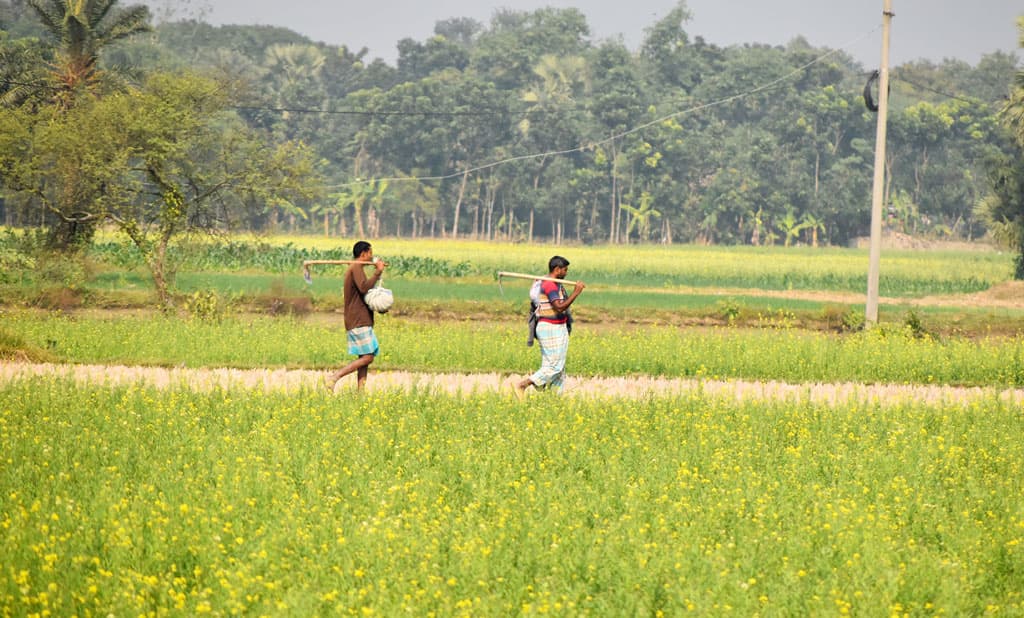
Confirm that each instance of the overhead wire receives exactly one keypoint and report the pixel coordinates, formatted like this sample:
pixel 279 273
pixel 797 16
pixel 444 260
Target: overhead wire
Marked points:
pixel 355 112
pixel 899 78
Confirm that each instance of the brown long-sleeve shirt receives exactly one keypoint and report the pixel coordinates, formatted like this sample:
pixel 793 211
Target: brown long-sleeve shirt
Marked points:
pixel 357 313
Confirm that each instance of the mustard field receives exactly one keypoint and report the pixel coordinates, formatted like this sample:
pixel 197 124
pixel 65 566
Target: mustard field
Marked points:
pixel 132 501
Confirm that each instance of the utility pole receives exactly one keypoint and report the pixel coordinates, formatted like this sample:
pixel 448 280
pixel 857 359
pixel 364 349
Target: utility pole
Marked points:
pixel 871 310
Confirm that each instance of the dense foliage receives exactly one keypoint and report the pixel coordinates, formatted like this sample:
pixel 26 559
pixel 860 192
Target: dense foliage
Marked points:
pixel 1003 208
pixel 527 127
pixel 157 158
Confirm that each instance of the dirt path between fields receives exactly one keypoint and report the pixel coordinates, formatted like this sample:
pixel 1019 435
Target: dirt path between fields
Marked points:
pixel 295 380
pixel 1006 295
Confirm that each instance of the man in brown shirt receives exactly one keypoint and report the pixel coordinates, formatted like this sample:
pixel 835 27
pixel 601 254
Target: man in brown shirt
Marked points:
pixel 358 317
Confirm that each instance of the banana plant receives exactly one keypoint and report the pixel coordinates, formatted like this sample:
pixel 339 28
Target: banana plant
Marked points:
pixel 814 224
pixel 359 194
pixel 790 226
pixel 640 216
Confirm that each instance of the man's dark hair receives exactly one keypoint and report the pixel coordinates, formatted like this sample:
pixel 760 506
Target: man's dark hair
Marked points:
pixel 359 248
pixel 557 262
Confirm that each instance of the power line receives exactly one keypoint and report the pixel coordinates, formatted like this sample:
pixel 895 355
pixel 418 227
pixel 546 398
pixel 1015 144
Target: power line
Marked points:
pixel 355 112
pixel 933 90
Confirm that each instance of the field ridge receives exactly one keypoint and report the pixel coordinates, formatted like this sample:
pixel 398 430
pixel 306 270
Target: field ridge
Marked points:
pixel 635 387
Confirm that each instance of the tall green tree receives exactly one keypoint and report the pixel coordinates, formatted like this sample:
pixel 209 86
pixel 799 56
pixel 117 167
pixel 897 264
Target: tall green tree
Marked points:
pixel 160 162
pixel 81 29
pixel 507 52
pixel 418 60
pixel 667 51
pixel 555 124
pixel 195 165
pixel 1013 112
pixel 618 103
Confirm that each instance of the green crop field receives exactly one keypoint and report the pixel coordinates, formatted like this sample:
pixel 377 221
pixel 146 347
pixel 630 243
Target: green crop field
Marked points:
pixel 904 273
pixel 890 356
pixel 819 289
pixel 816 288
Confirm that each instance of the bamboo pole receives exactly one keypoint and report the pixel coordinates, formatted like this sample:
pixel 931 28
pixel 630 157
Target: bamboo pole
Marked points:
pixel 307 263
pixel 533 277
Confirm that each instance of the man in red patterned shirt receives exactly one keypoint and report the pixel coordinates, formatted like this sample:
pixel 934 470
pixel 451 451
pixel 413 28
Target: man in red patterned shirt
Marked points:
pixel 552 330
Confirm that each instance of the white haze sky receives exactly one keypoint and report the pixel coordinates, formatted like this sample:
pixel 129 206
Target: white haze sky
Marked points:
pixel 921 29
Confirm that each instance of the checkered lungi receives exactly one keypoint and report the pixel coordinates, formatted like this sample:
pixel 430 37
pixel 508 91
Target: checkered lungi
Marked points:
pixel 362 341
pixel 554 347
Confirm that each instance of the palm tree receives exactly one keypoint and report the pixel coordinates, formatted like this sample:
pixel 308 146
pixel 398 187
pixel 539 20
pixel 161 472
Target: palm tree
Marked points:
pixel 20 60
pixel 295 71
pixel 559 80
pixel 83 28
pixel 359 195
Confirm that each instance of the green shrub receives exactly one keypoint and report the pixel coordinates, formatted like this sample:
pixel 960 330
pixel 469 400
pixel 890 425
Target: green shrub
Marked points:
pixel 913 323
pixel 14 265
pixel 205 305
pixel 853 321
pixel 14 347
pixel 728 309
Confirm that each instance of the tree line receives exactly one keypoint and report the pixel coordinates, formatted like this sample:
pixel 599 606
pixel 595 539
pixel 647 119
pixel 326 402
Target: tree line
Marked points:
pixel 523 128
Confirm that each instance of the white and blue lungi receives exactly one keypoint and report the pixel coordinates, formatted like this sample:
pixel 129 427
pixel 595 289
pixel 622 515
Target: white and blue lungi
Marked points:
pixel 362 341
pixel 554 348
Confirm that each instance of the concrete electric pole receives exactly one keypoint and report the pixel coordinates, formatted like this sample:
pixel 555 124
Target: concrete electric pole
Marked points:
pixel 871 310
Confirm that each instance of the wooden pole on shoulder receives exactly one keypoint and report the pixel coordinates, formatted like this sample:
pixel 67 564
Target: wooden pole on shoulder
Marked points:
pixel 503 273
pixel 533 277
pixel 307 263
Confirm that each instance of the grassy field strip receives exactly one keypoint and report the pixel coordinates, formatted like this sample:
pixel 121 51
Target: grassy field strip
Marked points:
pixel 483 346
pixel 638 387
pixel 904 273
pixel 484 289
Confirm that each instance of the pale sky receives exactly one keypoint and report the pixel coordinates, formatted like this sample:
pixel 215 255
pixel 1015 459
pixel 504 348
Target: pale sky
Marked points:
pixel 930 29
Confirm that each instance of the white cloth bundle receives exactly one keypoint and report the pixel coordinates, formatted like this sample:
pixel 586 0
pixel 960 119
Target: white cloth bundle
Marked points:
pixel 379 299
